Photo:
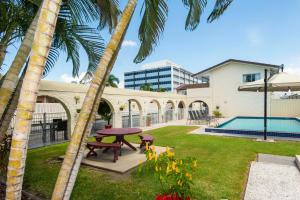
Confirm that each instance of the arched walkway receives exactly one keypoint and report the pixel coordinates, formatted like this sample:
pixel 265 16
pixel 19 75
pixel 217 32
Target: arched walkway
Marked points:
pixel 181 110
pixel 153 112
pixel 51 122
pixel 131 113
pixel 169 111
pixel 104 116
pixel 200 106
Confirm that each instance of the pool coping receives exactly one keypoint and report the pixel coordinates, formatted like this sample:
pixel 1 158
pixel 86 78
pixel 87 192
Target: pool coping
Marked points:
pixel 255 132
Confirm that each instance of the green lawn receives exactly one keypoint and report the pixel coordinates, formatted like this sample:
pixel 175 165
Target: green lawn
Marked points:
pixel 222 172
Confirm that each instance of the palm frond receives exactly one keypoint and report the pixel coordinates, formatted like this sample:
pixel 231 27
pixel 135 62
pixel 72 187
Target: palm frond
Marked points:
pixel 196 8
pixel 51 60
pixel 92 42
pixel 82 11
pixel 109 12
pixel 219 8
pixel 151 27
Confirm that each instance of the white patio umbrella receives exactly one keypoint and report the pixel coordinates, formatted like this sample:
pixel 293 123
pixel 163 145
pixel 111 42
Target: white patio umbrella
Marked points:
pixel 281 82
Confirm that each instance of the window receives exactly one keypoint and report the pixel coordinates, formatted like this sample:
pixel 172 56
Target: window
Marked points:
pixel 251 77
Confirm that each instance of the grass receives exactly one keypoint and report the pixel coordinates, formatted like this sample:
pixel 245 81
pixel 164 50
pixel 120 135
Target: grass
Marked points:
pixel 222 172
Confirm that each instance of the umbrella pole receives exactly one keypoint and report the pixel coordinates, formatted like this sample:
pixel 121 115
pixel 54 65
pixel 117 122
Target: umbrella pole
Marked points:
pixel 265 104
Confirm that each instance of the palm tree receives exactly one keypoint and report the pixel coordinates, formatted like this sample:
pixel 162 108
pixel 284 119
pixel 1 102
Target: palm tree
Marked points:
pixel 40 50
pixel 112 81
pixel 146 87
pixel 151 26
pixel 68 37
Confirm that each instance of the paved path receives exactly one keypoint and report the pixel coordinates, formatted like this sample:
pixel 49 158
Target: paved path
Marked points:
pixel 274 178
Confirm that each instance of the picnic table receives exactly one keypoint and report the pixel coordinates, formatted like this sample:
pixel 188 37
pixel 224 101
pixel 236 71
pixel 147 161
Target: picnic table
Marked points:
pixel 120 134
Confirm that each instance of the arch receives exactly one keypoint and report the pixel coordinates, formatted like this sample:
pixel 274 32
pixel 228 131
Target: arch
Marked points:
pixel 181 104
pixel 181 110
pixel 56 119
pixel 170 102
pixel 200 105
pixel 153 112
pixel 157 103
pixel 132 115
pixel 105 115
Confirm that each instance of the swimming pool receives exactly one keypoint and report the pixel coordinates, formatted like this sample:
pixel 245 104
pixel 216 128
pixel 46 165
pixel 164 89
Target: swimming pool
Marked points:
pixel 277 126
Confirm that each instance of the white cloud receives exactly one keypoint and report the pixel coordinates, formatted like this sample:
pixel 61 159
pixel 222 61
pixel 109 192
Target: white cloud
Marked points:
pixel 129 43
pixel 254 36
pixel 293 66
pixel 68 78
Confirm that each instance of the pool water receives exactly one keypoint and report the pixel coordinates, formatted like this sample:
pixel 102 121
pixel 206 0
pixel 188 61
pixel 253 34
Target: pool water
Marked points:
pixel 275 124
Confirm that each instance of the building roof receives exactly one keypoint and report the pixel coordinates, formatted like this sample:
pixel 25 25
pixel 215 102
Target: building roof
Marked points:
pixel 238 61
pixel 192 86
pixel 160 63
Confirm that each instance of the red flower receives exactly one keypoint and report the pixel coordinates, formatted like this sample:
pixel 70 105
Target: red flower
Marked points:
pixel 170 197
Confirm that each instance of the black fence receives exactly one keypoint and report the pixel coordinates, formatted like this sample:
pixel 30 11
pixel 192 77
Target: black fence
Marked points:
pixel 48 128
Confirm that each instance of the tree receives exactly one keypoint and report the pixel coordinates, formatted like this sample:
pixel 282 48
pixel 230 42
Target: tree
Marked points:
pixel 112 81
pixel 152 24
pixel 40 50
pixel 146 87
pixel 69 37
pixel 161 90
pixel 105 111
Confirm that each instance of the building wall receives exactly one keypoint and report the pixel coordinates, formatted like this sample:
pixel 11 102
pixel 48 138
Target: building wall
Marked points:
pixel 223 91
pixel 168 77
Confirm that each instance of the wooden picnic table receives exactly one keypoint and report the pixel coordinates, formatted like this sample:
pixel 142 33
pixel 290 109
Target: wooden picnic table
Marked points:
pixel 120 134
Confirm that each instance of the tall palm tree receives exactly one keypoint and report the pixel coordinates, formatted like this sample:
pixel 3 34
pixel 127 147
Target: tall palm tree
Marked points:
pixel 68 37
pixel 40 49
pixel 112 81
pixel 152 25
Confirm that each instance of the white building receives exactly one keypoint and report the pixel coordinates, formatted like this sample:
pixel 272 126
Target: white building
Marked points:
pixel 161 74
pixel 219 87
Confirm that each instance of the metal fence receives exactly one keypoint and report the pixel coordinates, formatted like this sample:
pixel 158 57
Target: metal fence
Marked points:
pixel 136 120
pixel 169 115
pixel 46 129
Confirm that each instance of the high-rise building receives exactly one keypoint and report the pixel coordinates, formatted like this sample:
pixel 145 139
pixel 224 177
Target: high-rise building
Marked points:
pixel 161 74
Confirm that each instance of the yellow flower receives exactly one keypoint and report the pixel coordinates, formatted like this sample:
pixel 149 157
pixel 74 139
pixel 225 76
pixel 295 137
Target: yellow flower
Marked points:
pixel 173 165
pixel 195 163
pixel 179 183
pixel 156 168
pixel 177 170
pixel 168 169
pixel 170 154
pixel 180 162
pixel 150 156
pixel 147 146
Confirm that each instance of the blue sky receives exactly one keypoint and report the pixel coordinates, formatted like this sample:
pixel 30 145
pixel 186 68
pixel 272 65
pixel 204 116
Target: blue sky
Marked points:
pixel 257 30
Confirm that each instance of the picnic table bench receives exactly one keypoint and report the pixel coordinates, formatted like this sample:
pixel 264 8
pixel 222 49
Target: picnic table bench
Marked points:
pixel 99 145
pixel 146 139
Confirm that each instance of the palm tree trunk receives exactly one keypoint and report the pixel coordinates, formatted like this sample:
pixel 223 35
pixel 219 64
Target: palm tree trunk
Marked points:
pixel 6 120
pixel 4 44
pixel 12 106
pixel 40 50
pixel 11 78
pixel 67 174
pixel 3 48
pixel 83 144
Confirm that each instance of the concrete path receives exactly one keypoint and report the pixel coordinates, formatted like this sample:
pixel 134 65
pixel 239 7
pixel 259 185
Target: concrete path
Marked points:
pixel 171 123
pixel 274 178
